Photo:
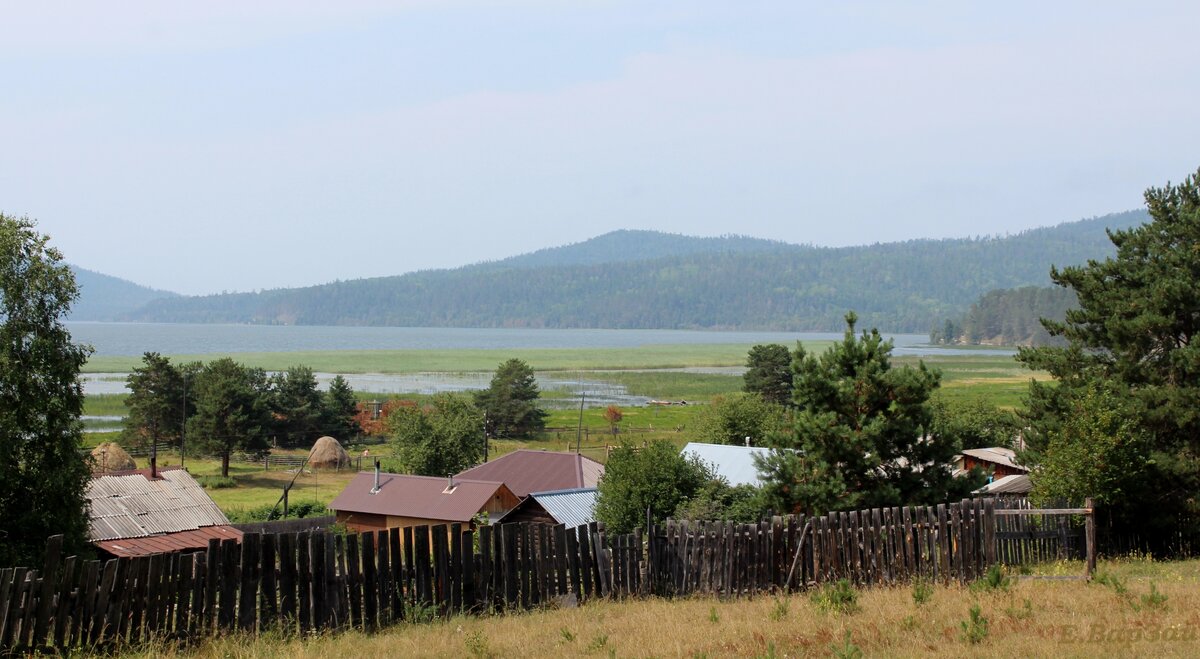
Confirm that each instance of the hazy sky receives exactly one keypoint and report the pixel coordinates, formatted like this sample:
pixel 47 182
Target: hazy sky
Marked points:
pixel 209 146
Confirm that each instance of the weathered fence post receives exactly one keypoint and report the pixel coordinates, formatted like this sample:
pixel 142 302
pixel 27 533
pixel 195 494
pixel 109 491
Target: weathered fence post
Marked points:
pixel 1090 535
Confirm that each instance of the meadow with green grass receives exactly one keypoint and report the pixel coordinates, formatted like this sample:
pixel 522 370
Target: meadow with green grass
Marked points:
pixel 460 361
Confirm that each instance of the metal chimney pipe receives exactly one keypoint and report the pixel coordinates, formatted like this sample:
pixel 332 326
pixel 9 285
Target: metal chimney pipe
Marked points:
pixel 376 488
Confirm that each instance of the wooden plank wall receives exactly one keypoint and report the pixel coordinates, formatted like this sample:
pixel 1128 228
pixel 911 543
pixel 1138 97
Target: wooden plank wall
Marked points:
pixel 318 581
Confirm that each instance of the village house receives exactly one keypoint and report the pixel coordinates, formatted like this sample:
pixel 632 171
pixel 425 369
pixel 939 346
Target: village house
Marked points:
pixel 996 461
pixel 570 508
pixel 375 501
pixel 734 463
pixel 525 471
pixel 140 512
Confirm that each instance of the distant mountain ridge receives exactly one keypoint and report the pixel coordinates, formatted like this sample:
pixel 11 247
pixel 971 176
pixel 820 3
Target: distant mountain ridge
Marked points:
pixel 104 297
pixel 633 245
pixel 636 279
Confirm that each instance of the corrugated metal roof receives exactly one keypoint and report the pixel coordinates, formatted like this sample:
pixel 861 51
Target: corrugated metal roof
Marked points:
pixel 997 455
pixel 417 496
pixel 132 505
pixel 569 507
pixel 525 471
pixel 1014 484
pixel 734 463
pixel 170 542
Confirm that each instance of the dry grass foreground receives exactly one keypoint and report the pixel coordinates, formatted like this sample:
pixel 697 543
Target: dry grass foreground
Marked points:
pixel 1029 619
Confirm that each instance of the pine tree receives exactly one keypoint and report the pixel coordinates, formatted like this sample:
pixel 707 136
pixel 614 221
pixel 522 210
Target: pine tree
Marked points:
pixel 156 402
pixel 340 410
pixel 769 373
pixel 1134 336
pixel 298 407
pixel 232 413
pixel 510 401
pixel 861 436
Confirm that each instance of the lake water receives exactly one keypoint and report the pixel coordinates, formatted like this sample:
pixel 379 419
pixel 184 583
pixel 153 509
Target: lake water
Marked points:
pixel 133 339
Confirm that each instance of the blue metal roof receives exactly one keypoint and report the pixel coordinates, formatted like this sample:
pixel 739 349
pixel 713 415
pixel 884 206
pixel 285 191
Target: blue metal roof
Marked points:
pixel 569 507
pixel 735 463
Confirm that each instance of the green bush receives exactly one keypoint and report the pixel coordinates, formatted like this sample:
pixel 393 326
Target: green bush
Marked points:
pixel 839 597
pixel 995 579
pixel 216 482
pixel 975 628
pixel 922 591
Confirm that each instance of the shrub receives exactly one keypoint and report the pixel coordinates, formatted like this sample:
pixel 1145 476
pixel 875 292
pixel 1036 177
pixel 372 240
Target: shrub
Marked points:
pixel 846 649
pixel 975 628
pixel 216 482
pixel 838 597
pixel 780 610
pixel 995 579
pixel 922 591
pixel 1154 600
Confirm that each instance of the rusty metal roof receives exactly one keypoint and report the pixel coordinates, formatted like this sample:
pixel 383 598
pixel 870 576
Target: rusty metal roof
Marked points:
pixel 997 455
pixel 131 505
pixel 427 497
pixel 169 542
pixel 525 471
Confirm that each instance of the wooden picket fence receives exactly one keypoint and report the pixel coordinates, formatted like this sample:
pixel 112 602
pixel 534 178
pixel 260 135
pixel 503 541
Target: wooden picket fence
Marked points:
pixel 305 582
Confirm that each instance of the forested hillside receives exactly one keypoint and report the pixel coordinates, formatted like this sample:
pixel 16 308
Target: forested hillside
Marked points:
pixel 102 297
pixel 1009 317
pixel 634 245
pixel 721 283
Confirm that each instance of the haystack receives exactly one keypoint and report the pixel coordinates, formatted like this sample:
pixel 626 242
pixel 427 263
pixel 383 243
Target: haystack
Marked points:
pixel 327 453
pixel 109 456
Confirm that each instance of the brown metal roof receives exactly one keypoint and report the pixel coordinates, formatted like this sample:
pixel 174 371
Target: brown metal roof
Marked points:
pixel 418 496
pixel 525 471
pixel 131 505
pixel 169 542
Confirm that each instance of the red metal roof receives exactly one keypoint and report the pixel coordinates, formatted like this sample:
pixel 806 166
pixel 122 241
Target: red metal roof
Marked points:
pixel 169 542
pixel 417 496
pixel 525 471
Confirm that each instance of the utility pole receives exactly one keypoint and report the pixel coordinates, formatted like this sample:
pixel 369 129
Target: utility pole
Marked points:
pixel 579 428
pixel 183 422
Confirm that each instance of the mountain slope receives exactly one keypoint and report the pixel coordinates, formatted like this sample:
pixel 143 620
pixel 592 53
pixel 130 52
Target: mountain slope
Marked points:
pixel 103 297
pixel 904 286
pixel 633 245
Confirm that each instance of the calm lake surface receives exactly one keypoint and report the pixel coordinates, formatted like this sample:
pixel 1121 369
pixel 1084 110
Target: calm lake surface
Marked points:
pixel 133 339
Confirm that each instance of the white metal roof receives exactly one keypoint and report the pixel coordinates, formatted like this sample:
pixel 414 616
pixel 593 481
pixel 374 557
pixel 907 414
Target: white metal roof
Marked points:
pixel 735 463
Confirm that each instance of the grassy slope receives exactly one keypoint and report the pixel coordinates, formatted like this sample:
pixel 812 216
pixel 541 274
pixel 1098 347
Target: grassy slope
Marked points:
pixel 1061 619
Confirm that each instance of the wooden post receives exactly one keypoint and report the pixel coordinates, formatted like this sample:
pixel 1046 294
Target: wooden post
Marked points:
pixel 53 551
pixel 370 581
pixel 1090 535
